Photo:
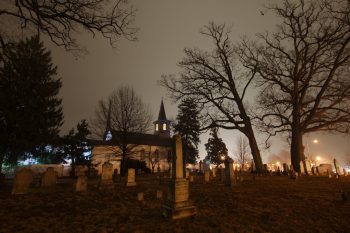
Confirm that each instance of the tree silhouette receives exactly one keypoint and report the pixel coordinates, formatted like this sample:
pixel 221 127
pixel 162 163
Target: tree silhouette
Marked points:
pixel 61 20
pixel 304 71
pixel 188 127
pixel 215 148
pixel 30 110
pixel 218 86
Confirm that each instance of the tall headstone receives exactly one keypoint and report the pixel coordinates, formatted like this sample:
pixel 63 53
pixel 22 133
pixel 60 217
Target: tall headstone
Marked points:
pixel 308 167
pixel 81 184
pixel 200 166
pixel 336 166
pixel 80 170
pixel 23 179
pixel 344 172
pixel 178 204
pixel 106 181
pixel 130 180
pixel 229 173
pixel 206 176
pixel 302 167
pixel 214 171
pixel 49 178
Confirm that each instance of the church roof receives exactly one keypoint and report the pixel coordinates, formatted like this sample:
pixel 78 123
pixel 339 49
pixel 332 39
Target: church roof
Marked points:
pixel 137 139
pixel 161 115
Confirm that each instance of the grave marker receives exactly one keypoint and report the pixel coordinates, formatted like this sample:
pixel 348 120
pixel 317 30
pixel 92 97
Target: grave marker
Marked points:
pixel 22 181
pixel 49 178
pixel 131 177
pixel 178 205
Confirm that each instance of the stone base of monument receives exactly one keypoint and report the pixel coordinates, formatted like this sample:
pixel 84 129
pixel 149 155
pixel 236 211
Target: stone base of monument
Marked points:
pixel 178 205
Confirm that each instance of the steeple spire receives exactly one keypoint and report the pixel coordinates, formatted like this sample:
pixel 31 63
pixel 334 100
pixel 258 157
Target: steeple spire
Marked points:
pixel 162 125
pixel 161 115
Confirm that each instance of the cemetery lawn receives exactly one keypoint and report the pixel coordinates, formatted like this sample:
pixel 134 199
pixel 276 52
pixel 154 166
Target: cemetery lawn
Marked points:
pixel 266 204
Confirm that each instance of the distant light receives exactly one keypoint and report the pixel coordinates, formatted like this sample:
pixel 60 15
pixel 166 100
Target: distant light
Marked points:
pixel 315 141
pixel 318 158
pixel 222 157
pixel 278 163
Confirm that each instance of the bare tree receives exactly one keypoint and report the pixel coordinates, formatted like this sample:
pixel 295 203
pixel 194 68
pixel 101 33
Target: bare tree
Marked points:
pixel 242 153
pixel 304 71
pixel 218 86
pixel 60 20
pixel 125 116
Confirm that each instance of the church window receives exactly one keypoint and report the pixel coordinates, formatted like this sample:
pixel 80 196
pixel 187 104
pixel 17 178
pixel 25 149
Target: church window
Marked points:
pixel 164 126
pixel 156 127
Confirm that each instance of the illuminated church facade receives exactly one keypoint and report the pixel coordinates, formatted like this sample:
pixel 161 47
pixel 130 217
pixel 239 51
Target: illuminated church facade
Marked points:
pixel 154 149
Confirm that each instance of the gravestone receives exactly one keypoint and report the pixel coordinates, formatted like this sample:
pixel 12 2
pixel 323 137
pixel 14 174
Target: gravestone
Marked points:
pixel 200 166
pixel 344 172
pixel 159 194
pixel 140 196
pixel 302 167
pixel 106 181
pixel 206 176
pixel 229 173
pixel 336 166
pixel 22 181
pixel 49 178
pixel 81 184
pixel 178 204
pixel 285 168
pixel 307 164
pixel 131 178
pixel 214 172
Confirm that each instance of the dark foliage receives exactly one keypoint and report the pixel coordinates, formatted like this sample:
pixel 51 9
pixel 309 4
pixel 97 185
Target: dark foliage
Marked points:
pixel 215 148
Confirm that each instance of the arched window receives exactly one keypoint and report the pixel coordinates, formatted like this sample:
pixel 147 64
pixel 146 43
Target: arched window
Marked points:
pixel 156 127
pixel 164 126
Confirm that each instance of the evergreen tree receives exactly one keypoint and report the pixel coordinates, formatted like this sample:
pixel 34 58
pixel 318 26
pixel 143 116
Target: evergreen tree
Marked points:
pixel 30 110
pixel 188 127
pixel 76 146
pixel 215 148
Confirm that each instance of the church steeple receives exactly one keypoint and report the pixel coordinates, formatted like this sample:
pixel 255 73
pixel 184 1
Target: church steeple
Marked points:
pixel 162 125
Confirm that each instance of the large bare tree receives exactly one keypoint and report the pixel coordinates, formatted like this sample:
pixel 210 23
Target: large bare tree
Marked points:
pixel 304 70
pixel 61 20
pixel 218 86
pixel 124 115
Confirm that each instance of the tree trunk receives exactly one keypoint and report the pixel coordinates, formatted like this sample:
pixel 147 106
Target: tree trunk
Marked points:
pixel 254 149
pixel 1 161
pixel 296 150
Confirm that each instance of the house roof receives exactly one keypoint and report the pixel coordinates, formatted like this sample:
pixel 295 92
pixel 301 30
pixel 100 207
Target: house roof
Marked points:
pixel 137 139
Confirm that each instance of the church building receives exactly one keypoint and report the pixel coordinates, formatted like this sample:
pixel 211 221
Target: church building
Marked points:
pixel 154 149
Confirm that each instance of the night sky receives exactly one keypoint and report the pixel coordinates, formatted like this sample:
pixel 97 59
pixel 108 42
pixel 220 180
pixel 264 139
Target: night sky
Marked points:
pixel 166 27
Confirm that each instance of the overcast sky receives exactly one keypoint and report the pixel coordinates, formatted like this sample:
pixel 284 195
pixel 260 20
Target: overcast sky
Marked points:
pixel 166 27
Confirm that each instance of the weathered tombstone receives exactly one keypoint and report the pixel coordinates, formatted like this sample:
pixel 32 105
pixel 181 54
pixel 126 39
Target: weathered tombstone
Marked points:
pixel 131 177
pixel 266 168
pixel 23 179
pixel 140 196
pixel 106 181
pixel 336 166
pixel 302 167
pixel 214 172
pixel 308 167
pixel 285 168
pixel 229 173
pixel 200 166
pixel 206 176
pixel 344 172
pixel 49 178
pixel 159 194
pixel 81 184
pixel 178 205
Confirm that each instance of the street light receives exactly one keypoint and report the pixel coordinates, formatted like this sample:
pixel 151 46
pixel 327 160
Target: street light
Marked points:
pixel 318 159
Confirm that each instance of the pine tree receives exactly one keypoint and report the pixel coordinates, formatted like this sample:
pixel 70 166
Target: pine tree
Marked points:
pixel 30 110
pixel 215 148
pixel 188 127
